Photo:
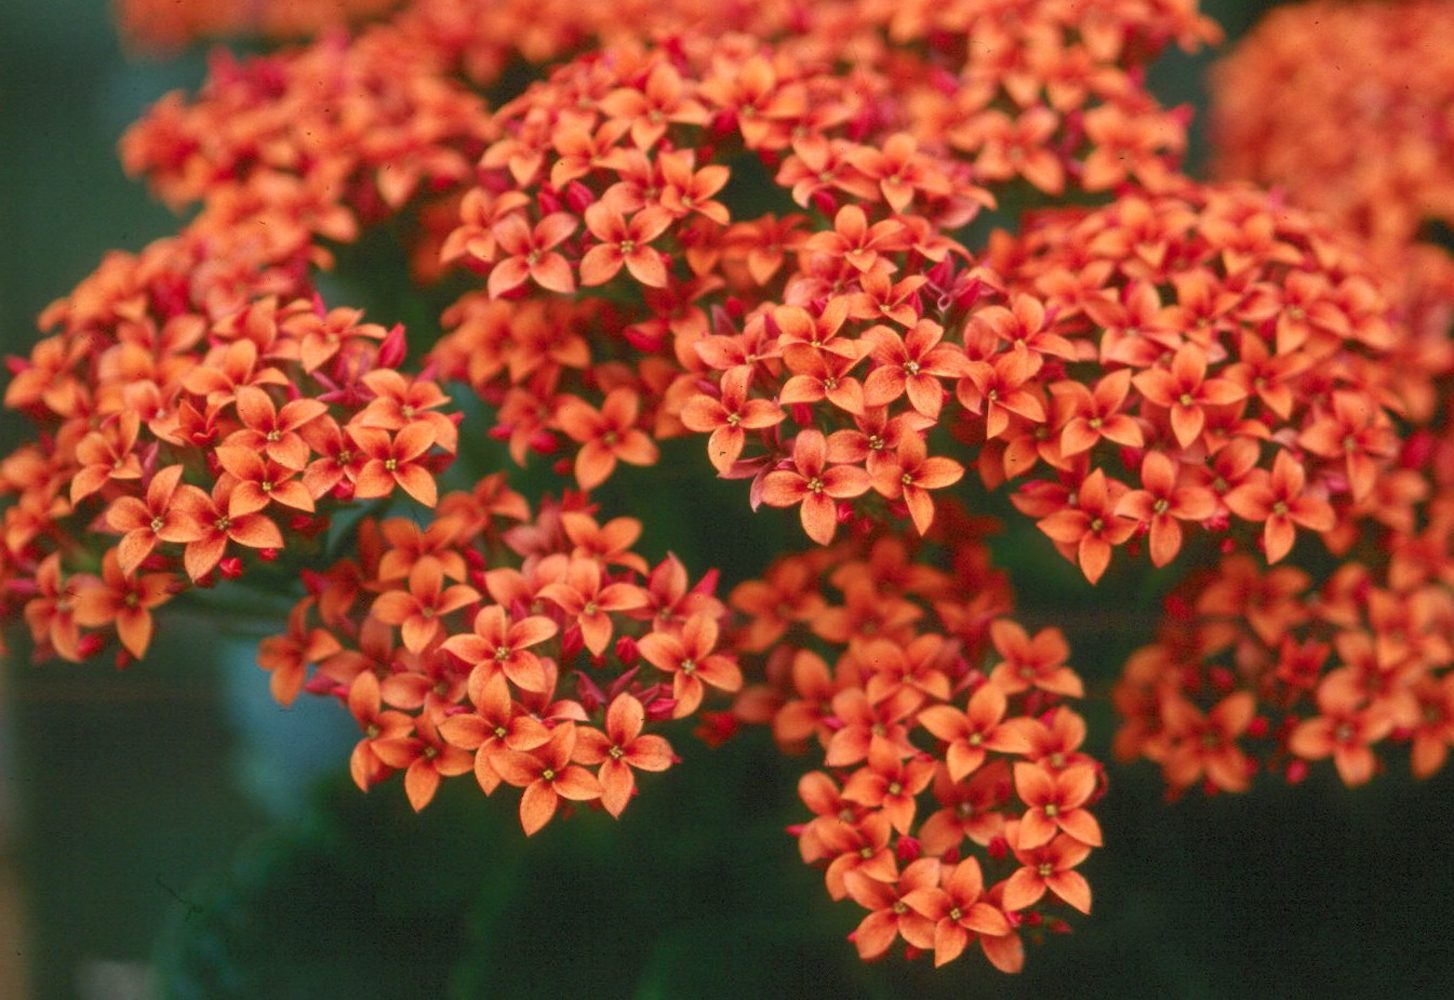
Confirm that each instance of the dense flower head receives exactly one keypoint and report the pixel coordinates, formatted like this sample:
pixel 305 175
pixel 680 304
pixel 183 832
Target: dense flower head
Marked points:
pixel 1374 150
pixel 164 26
pixel 749 222
pixel 1348 108
pixel 529 649
pixel 1269 669
pixel 952 803
pixel 196 405
pixel 1210 361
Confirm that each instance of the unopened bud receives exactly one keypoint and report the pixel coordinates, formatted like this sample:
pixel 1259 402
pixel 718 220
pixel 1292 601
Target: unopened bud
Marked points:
pixel 393 348
pixel 626 650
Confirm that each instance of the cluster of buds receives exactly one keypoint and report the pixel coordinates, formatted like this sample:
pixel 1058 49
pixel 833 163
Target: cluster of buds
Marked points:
pixel 529 649
pixel 954 801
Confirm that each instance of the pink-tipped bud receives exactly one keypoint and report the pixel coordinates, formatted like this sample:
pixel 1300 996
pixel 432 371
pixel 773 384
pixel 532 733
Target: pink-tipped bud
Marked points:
pixel 571 642
pixel 907 849
pixel 393 348
pixel 578 197
pixel 230 568
pixel 626 650
pixel 660 709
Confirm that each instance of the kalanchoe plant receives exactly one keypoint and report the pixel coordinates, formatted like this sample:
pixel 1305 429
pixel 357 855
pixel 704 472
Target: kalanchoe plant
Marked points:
pixel 751 226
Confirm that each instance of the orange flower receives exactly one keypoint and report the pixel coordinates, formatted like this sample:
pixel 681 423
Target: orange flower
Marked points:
pixel 958 909
pixel 856 242
pixel 1343 730
pixel 274 432
pixel 619 749
pixel 364 704
pixel 425 756
pixel 1085 416
pixel 1184 389
pixel 501 646
pixel 912 365
pixel 1278 501
pixel 1056 802
pixel 261 481
pixel 395 461
pixel 814 484
pixel 214 523
pixel 106 454
pixel 890 916
pixel 890 784
pixel 910 475
pixel 997 389
pixel 1037 662
pixel 1091 528
pixel 1049 866
pixel 531 254
pixel 145 523
pixel 416 612
pixel 547 775
pixel 971 734
pixel 582 597
pixel 494 727
pixel 123 601
pixel 286 657
pixel 690 659
pixel 728 418
pixel 624 242
pixel 605 435
pixel 1208 743
pixel 1162 503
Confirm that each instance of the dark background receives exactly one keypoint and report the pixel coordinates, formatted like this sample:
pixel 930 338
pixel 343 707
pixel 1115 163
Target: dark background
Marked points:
pixel 170 830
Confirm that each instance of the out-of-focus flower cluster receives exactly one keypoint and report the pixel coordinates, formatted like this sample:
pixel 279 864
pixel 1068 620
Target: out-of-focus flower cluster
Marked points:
pixel 1349 108
pixel 954 801
pixel 164 26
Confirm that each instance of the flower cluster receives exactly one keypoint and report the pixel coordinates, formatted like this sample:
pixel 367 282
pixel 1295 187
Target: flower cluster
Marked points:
pixel 531 650
pixel 191 400
pixel 1262 669
pixel 749 222
pixel 164 26
pixel 954 804
pixel 1375 151
pixel 1216 359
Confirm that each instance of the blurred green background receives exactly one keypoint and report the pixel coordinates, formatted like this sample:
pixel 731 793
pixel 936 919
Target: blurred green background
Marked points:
pixel 171 832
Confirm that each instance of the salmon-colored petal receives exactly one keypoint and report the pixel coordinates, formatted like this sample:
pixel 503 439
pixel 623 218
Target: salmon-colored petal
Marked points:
pixel 421 781
pixel 875 934
pixel 537 806
pixel 1081 825
pixel 1023 888
pixel 578 784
